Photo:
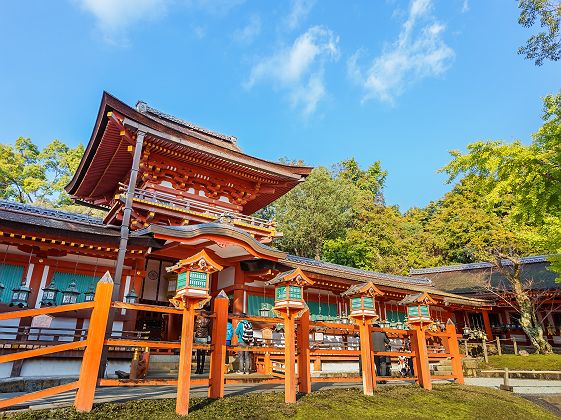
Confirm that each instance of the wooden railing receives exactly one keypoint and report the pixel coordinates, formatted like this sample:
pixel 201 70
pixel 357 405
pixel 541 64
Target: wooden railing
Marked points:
pixel 269 354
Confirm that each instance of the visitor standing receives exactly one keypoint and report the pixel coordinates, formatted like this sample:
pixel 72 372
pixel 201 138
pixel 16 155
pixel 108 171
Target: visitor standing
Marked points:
pixel 380 343
pixel 244 332
pixel 202 324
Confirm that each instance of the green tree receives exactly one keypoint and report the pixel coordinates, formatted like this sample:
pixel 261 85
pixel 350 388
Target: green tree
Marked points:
pixel 545 45
pixel 381 239
pixel 371 180
pixel 31 175
pixel 527 181
pixel 317 210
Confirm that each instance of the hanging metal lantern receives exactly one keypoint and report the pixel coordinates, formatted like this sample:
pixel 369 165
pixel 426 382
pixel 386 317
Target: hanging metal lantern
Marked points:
pixel 89 294
pixel 49 295
pixel 193 279
pixel 418 312
pixel 289 295
pixel 131 296
pixel 20 296
pixel 265 310
pixel 70 294
pixel 362 299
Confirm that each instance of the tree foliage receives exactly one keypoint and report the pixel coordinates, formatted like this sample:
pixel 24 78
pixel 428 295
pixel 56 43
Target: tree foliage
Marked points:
pixel 31 175
pixel 545 45
pixel 313 212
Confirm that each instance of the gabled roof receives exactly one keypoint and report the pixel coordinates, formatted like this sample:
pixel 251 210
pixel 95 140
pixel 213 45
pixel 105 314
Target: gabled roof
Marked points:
pixel 107 161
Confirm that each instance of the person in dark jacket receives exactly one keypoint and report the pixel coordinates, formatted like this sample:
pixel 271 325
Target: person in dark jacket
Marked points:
pixel 202 325
pixel 244 332
pixel 380 343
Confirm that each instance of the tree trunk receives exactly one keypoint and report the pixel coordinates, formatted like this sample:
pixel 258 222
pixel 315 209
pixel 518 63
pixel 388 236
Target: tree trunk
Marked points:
pixel 528 319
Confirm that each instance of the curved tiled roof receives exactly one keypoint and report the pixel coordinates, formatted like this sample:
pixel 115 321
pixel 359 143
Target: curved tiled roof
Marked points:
pixel 173 122
pixel 370 274
pixel 50 213
pixel 475 266
pixel 191 231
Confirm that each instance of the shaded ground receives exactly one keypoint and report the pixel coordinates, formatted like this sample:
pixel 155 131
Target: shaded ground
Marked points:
pixel 392 402
pixel 530 362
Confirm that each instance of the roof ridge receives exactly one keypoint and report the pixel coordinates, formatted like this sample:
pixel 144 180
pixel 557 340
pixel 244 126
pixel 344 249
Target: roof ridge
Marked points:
pixel 144 108
pixel 49 212
pixel 477 265
pixel 359 271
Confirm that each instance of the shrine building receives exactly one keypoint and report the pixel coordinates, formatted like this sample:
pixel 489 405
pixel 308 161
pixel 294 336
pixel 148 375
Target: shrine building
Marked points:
pixel 180 189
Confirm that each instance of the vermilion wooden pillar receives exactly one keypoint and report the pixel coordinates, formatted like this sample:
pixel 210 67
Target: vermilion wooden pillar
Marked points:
pixel 368 375
pixel 218 355
pixel 185 357
pixel 96 337
pixel 454 350
pixel 419 346
pixel 289 357
pixel 304 382
pixel 487 324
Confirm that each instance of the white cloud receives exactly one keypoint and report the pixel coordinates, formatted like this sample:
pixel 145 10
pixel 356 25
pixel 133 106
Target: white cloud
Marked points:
pixel 299 9
pixel 298 69
pixel 418 53
pixel 114 18
pixel 249 32
pixel 465 6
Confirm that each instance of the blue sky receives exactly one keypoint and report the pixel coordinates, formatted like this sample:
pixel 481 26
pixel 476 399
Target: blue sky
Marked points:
pixel 398 81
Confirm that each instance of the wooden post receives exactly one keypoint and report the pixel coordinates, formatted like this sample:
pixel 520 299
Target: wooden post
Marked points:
pixel 133 373
pixel 289 358
pixel 500 352
pixel 304 382
pixel 218 355
pixel 185 358
pixel 454 350
pixel 96 337
pixel 419 344
pixel 515 345
pixel 485 353
pixel 368 375
pixel 487 324
pixel 268 368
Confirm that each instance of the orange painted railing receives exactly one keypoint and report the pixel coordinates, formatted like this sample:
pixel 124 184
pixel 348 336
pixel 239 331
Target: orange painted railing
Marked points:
pixel 42 351
pixel 270 357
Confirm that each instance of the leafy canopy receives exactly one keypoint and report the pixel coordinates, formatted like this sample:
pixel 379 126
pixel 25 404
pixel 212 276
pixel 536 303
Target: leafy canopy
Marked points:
pixel 545 45
pixel 31 175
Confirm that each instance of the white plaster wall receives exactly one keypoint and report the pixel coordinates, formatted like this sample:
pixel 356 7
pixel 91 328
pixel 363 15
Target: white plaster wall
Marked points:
pixel 51 367
pixel 58 322
pixel 5 369
pixel 151 285
pixel 117 327
pixel 8 323
pixel 226 277
pixel 60 367
pixel 339 366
